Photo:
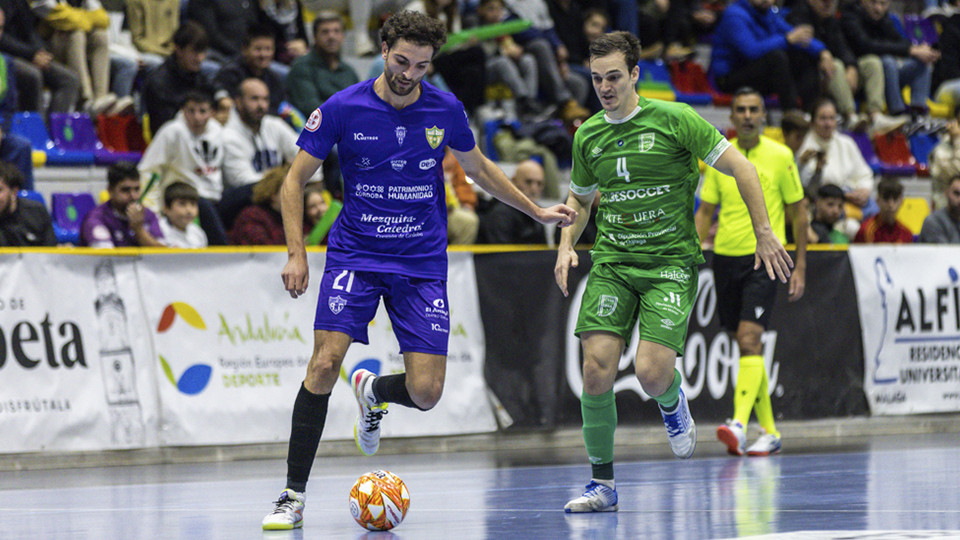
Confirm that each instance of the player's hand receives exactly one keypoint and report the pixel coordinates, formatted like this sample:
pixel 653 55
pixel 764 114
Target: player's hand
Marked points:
pixel 296 275
pixel 560 214
pixel 566 258
pixel 798 282
pixel 772 255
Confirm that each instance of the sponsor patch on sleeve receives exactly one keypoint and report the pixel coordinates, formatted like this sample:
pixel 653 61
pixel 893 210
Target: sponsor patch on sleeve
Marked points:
pixel 314 121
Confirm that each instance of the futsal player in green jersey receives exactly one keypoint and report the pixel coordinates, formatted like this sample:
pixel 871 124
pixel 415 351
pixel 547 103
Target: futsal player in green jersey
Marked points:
pixel 744 295
pixel 641 155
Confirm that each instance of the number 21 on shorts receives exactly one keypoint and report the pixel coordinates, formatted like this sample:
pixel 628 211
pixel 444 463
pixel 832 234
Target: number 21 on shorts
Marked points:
pixel 338 281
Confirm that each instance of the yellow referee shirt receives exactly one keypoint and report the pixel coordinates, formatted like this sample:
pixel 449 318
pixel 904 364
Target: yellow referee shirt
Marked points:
pixel 781 186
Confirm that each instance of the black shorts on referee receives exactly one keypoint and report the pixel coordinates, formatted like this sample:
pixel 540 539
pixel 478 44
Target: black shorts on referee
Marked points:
pixel 743 294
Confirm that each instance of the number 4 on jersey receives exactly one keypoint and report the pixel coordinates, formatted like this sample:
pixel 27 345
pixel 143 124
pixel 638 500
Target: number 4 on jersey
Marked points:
pixel 622 169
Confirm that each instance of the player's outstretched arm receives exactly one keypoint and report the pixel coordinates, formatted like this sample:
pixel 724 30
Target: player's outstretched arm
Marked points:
pixel 566 254
pixel 770 252
pixel 489 177
pixel 296 274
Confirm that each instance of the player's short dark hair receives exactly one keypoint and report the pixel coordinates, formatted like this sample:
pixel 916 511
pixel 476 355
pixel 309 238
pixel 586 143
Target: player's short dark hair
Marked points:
pixel 269 185
pixel 256 31
pixel 414 27
pixel 613 42
pixel 179 191
pixel 794 121
pixel 190 34
pixel 11 176
pixel 120 171
pixel 327 16
pixel 889 188
pixel 197 95
pixel 829 191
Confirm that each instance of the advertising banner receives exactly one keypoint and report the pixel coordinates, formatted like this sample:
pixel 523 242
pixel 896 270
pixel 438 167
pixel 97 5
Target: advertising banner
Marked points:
pixel 232 348
pixel 75 363
pixel 910 298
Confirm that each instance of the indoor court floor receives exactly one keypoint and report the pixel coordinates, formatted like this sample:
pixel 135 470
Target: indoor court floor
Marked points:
pixel 868 487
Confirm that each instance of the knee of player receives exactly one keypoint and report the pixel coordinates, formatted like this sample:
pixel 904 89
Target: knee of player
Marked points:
pixel 653 379
pixel 324 364
pixel 426 395
pixel 749 342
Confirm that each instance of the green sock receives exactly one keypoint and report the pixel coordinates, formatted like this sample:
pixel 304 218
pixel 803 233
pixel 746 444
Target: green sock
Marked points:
pixel 749 379
pixel 669 399
pixel 599 423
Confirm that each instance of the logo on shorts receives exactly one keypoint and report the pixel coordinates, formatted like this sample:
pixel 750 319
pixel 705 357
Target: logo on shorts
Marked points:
pixel 667 324
pixel 314 121
pixel 434 136
pixel 608 304
pixel 438 303
pixel 646 141
pixel 437 328
pixel 758 312
pixel 336 304
pixel 672 298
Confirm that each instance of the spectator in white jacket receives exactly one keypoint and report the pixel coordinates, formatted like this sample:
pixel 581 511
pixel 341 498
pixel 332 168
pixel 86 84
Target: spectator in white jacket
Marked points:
pixel 945 161
pixel 254 142
pixel 189 149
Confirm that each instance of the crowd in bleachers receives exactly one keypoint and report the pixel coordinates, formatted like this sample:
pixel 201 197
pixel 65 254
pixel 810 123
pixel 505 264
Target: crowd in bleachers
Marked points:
pixel 199 103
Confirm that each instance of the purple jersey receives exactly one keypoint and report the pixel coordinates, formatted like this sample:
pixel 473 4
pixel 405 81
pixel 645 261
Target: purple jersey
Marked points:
pixel 103 226
pixel 394 216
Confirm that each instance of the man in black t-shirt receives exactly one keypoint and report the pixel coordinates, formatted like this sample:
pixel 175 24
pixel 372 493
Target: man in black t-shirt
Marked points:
pixel 23 222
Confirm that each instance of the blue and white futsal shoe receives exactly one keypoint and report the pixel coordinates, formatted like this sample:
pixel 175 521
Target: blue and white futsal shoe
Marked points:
pixel 596 498
pixel 766 445
pixel 681 431
pixel 366 431
pixel 288 513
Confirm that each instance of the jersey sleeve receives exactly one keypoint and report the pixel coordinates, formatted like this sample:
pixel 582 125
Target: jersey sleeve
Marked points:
pixel 790 185
pixel 461 138
pixel 323 129
pixel 700 137
pixel 710 190
pixel 582 180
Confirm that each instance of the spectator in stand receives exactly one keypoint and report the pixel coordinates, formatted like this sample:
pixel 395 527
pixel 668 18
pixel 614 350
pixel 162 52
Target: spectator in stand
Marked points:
pixel 884 227
pixel 752 46
pixel 507 62
pixel 121 221
pixel 942 226
pixel 226 22
pixel 665 29
pixel 33 65
pixel 462 221
pixel 316 204
pixel 945 160
pixel 23 222
pixel 254 142
pixel 164 88
pixel 13 148
pixel 322 72
pixel 946 71
pixel 504 224
pixel 285 18
pixel 827 213
pixel 253 62
pixel 870 30
pixel 261 224
pixel 838 160
pixel 79 41
pixel 794 126
pixel 179 212
pixel 153 24
pixel 190 149
pixel 541 40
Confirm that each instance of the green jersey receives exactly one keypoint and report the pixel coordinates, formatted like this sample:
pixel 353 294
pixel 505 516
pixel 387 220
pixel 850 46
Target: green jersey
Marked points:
pixel 646 169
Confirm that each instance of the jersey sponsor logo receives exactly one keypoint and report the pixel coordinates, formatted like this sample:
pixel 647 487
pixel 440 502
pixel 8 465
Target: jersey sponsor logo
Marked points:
pixel 634 194
pixel 427 164
pixel 434 136
pixel 608 304
pixel 646 141
pixel 361 137
pixel 316 117
pixel 336 304
pixel 398 164
pixel 401 133
pixel 410 193
pixel 596 151
pixel 620 143
pixel 369 191
pixel 364 164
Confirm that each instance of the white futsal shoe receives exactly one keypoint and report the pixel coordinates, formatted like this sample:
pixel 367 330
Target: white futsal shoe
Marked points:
pixel 732 434
pixel 596 498
pixel 366 431
pixel 288 513
pixel 766 445
pixel 681 431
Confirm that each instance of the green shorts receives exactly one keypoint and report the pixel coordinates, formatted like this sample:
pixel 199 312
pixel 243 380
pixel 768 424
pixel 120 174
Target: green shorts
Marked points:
pixel 659 296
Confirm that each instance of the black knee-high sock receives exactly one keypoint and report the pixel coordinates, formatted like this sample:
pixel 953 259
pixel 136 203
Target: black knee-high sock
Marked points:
pixel 393 389
pixel 309 415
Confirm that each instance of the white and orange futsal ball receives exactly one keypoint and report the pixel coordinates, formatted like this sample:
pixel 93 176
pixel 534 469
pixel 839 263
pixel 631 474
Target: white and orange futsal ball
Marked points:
pixel 379 500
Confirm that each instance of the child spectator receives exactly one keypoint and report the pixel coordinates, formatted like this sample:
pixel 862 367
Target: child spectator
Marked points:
pixel 884 227
pixel 121 221
pixel 261 224
pixel 179 212
pixel 827 211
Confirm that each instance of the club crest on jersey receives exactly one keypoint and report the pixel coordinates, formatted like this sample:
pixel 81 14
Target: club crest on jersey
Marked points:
pixel 336 304
pixel 401 133
pixel 646 141
pixel 434 136
pixel 314 121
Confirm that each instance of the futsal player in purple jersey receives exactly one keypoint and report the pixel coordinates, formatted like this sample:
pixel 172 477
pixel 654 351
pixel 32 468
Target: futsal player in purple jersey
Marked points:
pixel 389 240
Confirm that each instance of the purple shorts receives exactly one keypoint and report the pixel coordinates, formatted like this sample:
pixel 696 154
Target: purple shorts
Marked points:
pixel 417 308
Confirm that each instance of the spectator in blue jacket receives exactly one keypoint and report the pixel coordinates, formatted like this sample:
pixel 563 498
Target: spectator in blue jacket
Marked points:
pixel 13 149
pixel 750 48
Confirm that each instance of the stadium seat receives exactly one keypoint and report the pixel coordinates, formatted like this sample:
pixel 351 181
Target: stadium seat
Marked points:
pixel 912 213
pixel 690 82
pixel 894 154
pixel 655 81
pixel 74 131
pixel 31 126
pixel 921 144
pixel 920 29
pixel 32 195
pixel 121 133
pixel 39 158
pixel 866 149
pixel 69 209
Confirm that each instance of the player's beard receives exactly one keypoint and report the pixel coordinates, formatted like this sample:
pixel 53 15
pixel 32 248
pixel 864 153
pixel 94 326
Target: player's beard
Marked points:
pixel 392 81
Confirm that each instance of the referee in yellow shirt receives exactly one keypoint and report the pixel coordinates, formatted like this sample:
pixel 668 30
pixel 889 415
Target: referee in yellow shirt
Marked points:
pixel 745 294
